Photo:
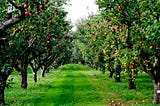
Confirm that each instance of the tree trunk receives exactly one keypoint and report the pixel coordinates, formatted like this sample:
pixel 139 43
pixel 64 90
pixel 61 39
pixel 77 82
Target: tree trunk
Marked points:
pixel 34 73
pixel 156 99
pixel 111 73
pixel 155 77
pixel 2 88
pixel 156 83
pixel 2 96
pixel 42 72
pixel 128 42
pixel 131 84
pixel 23 75
pixel 117 76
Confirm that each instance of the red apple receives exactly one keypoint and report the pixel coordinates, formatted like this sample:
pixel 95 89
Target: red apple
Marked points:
pixel 26 13
pixel 38 36
pixel 40 6
pixel 113 30
pixel 115 104
pixel 132 67
pixel 30 27
pixel 25 6
pixel 151 47
pixel 126 23
pixel 110 103
pixel 135 58
pixel 45 1
pixel 47 42
pixel 30 14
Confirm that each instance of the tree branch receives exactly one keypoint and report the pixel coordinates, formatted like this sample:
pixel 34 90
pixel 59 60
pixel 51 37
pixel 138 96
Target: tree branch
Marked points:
pixel 9 23
pixel 11 2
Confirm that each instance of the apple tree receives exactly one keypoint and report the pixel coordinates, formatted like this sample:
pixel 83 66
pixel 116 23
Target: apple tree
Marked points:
pixel 31 31
pixel 140 21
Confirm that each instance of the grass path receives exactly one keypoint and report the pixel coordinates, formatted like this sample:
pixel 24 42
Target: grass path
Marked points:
pixel 74 85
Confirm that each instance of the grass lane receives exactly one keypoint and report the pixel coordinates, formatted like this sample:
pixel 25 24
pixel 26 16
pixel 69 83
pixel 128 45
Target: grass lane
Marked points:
pixel 74 85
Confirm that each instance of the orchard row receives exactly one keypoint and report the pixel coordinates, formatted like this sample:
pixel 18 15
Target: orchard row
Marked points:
pixel 35 33
pixel 124 37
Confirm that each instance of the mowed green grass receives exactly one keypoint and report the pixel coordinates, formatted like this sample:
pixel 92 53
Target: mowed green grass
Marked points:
pixel 76 85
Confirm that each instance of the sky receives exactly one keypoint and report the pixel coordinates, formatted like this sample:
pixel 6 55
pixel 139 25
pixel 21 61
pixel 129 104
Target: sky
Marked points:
pixel 80 9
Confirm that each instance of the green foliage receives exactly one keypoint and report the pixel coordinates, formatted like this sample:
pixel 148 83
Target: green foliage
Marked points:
pixel 123 30
pixel 43 32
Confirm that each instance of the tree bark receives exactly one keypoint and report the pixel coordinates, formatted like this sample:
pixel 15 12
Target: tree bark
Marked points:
pixel 42 71
pixel 23 75
pixel 34 73
pixel 111 73
pixel 117 76
pixel 156 97
pixel 2 88
pixel 127 40
pixel 34 70
pixel 131 84
pixel 9 23
pixel 155 77
pixel 2 96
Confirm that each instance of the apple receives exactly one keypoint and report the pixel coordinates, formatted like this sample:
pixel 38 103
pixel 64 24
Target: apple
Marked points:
pixel 135 58
pixel 40 6
pixel 126 23
pixel 25 6
pixel 93 33
pixel 30 14
pixel 108 19
pixel 110 103
pixel 26 13
pixel 151 47
pixel 113 30
pixel 115 104
pixel 55 11
pixel 46 1
pixel 38 36
pixel 132 67
pixel 47 42
pixel 30 27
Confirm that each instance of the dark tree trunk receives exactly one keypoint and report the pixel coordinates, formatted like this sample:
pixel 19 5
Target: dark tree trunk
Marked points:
pixel 131 84
pixel 128 42
pixel 23 75
pixel 118 76
pixel 2 88
pixel 34 73
pixel 2 96
pixel 111 73
pixel 42 72
pixel 117 68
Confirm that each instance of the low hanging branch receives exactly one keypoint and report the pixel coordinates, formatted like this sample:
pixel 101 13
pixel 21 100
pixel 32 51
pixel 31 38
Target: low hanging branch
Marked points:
pixel 9 23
